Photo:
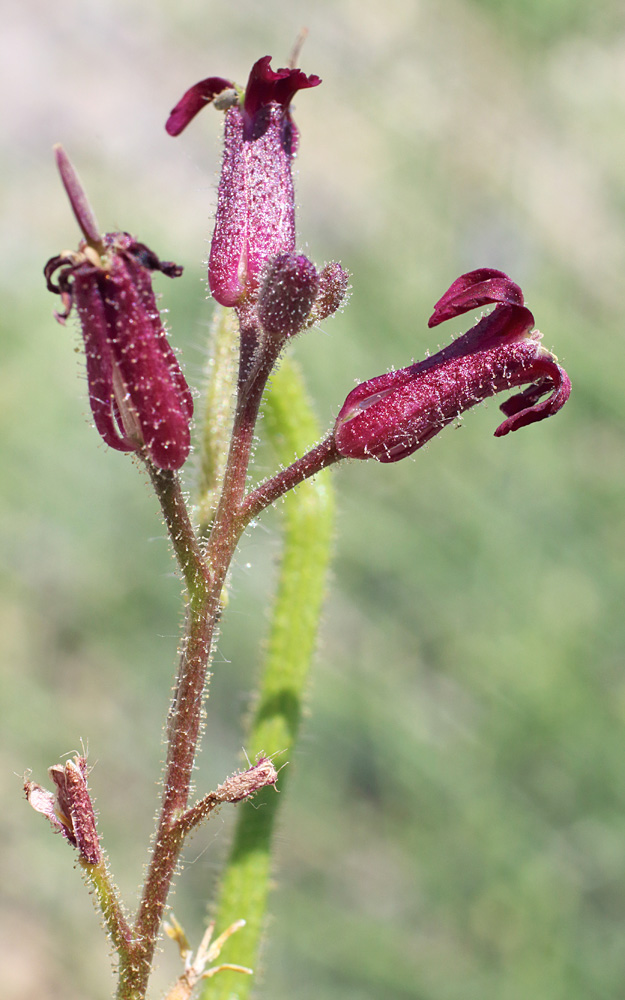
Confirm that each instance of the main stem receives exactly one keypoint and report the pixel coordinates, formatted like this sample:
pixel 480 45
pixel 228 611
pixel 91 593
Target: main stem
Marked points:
pixel 205 575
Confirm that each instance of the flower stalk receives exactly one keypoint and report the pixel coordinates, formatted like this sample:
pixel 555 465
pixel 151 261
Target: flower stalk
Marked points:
pixel 268 293
pixel 307 517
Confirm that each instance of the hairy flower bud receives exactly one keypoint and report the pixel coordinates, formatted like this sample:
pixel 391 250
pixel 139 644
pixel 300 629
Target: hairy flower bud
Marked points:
pixel 333 284
pixel 287 294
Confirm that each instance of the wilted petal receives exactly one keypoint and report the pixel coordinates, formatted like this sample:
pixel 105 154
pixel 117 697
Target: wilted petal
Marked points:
pixel 138 395
pixel 44 802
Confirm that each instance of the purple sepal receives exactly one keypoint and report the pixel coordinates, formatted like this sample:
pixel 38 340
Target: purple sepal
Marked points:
pixel 255 218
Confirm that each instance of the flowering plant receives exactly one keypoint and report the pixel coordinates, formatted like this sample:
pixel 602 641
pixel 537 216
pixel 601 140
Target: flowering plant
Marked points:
pixel 267 292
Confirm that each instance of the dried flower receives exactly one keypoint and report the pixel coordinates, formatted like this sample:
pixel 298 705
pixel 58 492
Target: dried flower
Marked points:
pixel 389 417
pixel 255 217
pixel 138 395
pixel 240 786
pixel 70 811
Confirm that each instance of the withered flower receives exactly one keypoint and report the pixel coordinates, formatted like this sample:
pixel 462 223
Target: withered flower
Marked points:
pixel 139 397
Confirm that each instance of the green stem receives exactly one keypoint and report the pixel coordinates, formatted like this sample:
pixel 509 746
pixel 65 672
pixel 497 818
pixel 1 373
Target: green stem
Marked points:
pixel 290 426
pixel 108 901
pixel 216 423
pixel 181 532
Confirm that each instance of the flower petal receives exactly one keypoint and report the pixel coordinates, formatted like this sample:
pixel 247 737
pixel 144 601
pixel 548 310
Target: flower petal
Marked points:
pixel 473 290
pixel 524 408
pixel 192 102
pixel 267 86
pixel 88 299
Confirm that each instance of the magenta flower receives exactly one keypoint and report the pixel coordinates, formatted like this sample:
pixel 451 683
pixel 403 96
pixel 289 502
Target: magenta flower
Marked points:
pixel 389 417
pixel 255 217
pixel 139 397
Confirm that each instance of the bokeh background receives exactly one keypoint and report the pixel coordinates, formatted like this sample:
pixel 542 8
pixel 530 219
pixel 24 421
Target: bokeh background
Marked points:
pixel 455 824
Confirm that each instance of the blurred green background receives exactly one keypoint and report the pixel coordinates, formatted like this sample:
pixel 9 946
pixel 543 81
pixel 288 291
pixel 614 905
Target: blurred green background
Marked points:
pixel 455 824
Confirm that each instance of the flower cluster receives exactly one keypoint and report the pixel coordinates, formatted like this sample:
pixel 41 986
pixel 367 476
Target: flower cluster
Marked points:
pixel 139 397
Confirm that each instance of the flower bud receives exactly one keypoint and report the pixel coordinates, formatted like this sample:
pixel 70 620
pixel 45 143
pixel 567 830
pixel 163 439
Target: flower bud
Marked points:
pixel 240 786
pixel 287 294
pixel 333 282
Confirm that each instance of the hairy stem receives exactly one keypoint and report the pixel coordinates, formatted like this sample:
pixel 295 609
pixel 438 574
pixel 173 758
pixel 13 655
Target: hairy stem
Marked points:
pixel 204 575
pixel 181 532
pixel 108 901
pixel 318 458
pixel 307 543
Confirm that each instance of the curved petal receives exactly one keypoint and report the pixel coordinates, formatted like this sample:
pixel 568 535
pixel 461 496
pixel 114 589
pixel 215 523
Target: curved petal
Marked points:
pixel 192 102
pixel 473 290
pixel 267 86
pixel 524 408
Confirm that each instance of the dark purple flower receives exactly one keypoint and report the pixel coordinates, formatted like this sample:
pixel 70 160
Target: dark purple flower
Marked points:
pixel 255 217
pixel 390 416
pixel 138 395
pixel 70 810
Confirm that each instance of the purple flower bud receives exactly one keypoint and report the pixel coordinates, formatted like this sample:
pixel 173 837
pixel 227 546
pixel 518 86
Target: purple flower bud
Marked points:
pixel 333 282
pixel 255 217
pixel 138 395
pixel 70 811
pixel 287 294
pixel 391 416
